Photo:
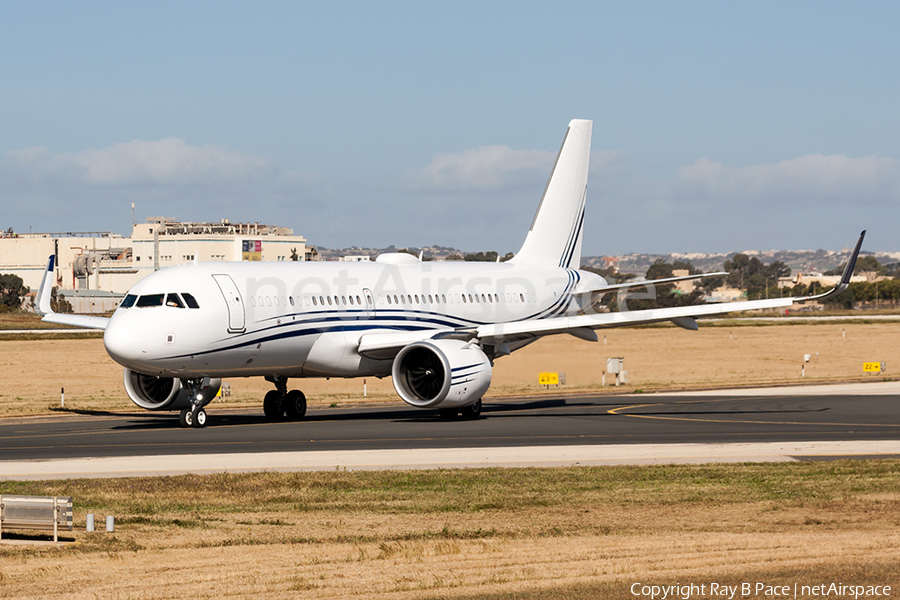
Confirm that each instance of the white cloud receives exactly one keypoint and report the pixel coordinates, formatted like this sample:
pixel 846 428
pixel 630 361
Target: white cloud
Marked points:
pixel 169 161
pixel 482 169
pixel 812 178
pixel 481 198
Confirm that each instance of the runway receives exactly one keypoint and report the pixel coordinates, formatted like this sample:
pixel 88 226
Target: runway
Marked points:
pixel 772 424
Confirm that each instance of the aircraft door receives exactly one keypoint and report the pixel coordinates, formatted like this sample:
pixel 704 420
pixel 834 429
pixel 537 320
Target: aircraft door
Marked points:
pixel 233 301
pixel 370 303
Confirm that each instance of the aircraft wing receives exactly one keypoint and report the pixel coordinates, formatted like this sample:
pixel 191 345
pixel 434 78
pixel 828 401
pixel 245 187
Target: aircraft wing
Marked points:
pixel 385 344
pixel 683 316
pixel 42 305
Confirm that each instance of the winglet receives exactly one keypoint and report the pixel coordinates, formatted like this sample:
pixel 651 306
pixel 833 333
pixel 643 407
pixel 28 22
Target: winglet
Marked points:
pixel 845 276
pixel 42 304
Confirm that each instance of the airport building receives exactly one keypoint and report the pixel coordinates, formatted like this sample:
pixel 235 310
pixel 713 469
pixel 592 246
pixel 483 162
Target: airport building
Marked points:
pixel 111 263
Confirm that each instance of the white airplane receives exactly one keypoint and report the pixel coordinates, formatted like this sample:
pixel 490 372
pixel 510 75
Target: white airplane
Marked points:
pixel 435 327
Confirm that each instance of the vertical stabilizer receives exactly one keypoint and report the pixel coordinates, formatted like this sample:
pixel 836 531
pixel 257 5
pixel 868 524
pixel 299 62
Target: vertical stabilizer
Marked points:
pixel 555 235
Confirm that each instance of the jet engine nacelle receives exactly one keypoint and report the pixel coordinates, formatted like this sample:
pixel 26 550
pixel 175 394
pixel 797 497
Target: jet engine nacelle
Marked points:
pixel 445 373
pixel 163 393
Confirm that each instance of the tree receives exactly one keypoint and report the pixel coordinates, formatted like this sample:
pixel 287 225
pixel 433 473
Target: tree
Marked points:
pixel 294 255
pixel 864 264
pixel 58 302
pixel 489 256
pixel 12 288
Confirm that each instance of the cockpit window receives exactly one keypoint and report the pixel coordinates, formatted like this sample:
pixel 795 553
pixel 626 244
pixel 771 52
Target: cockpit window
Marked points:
pixel 150 300
pixel 128 302
pixel 174 301
pixel 191 302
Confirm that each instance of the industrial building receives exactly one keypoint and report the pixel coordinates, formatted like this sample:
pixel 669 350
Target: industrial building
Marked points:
pixel 111 263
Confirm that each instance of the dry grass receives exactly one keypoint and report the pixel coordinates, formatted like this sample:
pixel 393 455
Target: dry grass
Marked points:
pixel 485 533
pixel 661 357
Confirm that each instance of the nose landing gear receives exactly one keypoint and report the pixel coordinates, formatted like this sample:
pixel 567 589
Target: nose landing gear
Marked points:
pixel 195 414
pixel 280 402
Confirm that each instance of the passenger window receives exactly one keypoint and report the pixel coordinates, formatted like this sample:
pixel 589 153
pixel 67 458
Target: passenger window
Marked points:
pixel 358 301
pixel 150 300
pixel 174 301
pixel 128 302
pixel 314 301
pixel 417 298
pixel 329 300
pixel 351 300
pixel 522 297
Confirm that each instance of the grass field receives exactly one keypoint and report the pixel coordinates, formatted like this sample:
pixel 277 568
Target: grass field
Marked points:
pixel 723 353
pixel 585 532
pixel 582 533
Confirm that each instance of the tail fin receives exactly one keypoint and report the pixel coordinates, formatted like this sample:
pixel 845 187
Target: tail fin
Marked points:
pixel 555 235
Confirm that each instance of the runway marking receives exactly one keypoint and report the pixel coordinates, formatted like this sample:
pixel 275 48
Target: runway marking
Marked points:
pixel 615 411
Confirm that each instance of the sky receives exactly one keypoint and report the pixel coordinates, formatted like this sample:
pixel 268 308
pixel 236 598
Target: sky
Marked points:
pixel 718 126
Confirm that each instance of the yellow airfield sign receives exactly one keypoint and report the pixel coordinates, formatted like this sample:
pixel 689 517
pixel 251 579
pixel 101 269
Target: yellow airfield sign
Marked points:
pixel 548 378
pixel 871 367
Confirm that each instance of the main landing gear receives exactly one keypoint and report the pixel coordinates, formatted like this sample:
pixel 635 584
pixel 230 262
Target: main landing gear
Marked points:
pixel 195 415
pixel 470 412
pixel 280 402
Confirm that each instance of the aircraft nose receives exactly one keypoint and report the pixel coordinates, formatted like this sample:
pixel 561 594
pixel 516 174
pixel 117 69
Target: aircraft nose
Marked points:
pixel 121 343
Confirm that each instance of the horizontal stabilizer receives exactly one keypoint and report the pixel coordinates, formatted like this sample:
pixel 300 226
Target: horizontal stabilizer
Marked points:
pixel 644 283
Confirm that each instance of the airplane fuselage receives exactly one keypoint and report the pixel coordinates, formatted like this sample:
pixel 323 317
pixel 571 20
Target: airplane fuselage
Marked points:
pixel 305 319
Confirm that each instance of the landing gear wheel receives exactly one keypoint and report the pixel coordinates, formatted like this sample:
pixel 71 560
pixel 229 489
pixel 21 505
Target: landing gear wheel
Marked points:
pixel 472 411
pixel 198 417
pixel 272 406
pixel 184 416
pixel 295 405
pixel 188 417
pixel 447 414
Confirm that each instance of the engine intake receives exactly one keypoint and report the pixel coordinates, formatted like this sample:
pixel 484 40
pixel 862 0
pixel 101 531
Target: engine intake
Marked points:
pixel 445 373
pixel 162 393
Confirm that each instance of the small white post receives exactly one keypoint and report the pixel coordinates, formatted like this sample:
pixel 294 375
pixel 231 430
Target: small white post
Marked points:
pixel 843 333
pixel 365 389
pixel 603 379
pixel 62 397
pixel 110 524
pixel 802 370
pixel 90 522
pixel 604 340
